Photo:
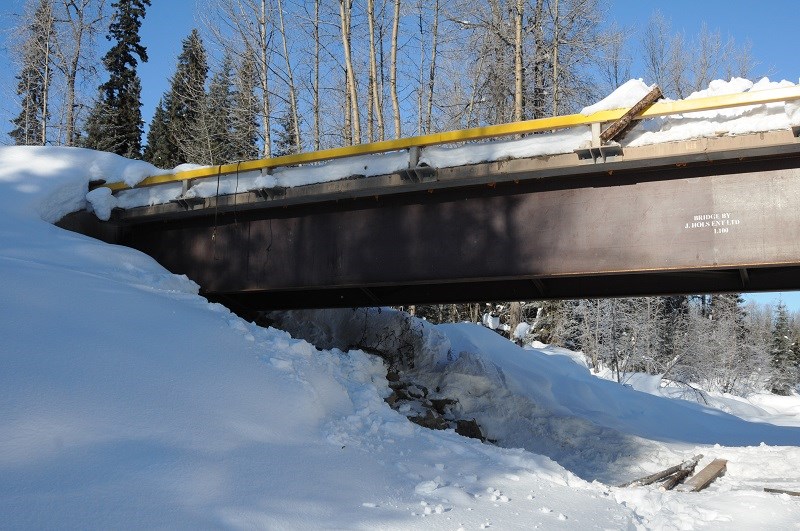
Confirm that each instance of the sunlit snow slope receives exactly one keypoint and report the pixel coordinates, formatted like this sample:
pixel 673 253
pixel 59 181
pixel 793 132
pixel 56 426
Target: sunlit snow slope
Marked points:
pixel 127 401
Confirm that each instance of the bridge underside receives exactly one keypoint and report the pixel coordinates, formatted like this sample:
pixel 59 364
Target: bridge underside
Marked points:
pixel 608 230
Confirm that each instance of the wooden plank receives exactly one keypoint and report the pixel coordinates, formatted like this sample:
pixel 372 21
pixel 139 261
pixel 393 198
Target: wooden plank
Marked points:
pixel 781 491
pixel 703 479
pixel 677 478
pixel 618 129
pixel 689 464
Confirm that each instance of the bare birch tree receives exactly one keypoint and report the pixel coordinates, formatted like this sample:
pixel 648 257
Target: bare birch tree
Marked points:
pixel 393 70
pixel 35 52
pixel 293 112
pixel 78 24
pixel 352 109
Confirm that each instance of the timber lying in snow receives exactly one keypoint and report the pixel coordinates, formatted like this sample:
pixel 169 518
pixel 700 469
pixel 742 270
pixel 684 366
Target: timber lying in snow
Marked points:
pixel 704 478
pixel 782 491
pixel 674 476
pixel 686 467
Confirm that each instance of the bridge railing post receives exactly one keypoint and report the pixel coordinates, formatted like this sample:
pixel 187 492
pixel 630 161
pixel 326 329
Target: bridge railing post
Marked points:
pixel 414 153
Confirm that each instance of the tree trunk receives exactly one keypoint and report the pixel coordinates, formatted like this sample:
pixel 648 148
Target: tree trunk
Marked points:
pixel 264 67
pixel 316 77
pixel 376 102
pixel 345 12
pixel 432 70
pixel 556 37
pixel 514 318
pixel 45 89
pixel 393 70
pixel 518 69
pixel 292 91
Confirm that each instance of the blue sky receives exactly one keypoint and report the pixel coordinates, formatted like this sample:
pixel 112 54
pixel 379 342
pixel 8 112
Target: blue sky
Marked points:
pixel 769 26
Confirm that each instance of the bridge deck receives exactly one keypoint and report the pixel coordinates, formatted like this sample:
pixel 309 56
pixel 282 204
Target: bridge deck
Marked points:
pixel 717 214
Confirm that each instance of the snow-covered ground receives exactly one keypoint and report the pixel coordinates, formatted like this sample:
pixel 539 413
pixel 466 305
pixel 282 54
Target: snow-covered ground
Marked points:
pixel 733 121
pixel 128 401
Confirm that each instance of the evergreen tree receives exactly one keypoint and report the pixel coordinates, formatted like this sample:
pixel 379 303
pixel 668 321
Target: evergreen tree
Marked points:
pixel 285 138
pixel 220 112
pixel 784 376
pixel 186 99
pixel 244 120
pixel 180 137
pixel 30 125
pixel 160 147
pixel 115 123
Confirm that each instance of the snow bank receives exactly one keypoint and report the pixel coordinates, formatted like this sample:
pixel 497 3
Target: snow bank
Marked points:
pixel 129 401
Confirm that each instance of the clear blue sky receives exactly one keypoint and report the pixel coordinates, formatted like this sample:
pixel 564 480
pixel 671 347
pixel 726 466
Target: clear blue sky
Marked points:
pixel 770 27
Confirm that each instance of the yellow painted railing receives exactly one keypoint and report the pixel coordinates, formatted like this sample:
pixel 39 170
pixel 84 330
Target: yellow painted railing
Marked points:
pixel 478 133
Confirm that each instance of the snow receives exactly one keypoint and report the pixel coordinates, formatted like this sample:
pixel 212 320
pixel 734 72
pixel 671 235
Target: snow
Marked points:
pixel 626 95
pixel 127 400
pixel 333 170
pixel 541 400
pixel 733 121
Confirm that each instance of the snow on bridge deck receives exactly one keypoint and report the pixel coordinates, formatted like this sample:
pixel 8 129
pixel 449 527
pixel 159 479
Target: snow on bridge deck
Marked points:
pixel 725 115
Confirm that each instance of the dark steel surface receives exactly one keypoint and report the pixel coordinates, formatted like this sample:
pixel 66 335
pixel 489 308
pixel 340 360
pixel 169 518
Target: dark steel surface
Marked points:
pixel 660 231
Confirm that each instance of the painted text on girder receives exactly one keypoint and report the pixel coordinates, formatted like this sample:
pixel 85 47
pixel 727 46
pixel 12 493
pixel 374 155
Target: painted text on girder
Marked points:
pixel 719 222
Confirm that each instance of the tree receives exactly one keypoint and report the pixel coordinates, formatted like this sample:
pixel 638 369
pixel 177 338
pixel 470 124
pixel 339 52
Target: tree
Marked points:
pixel 352 120
pixel 285 140
pixel 185 103
pixel 246 29
pixel 244 121
pixel 615 66
pixel 79 20
pixel 160 148
pixel 295 116
pixel 217 120
pixel 30 125
pixel 681 65
pixel 393 70
pixel 115 123
pixel 179 132
pixel 784 375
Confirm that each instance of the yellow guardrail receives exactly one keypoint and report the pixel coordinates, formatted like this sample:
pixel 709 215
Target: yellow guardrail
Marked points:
pixel 478 133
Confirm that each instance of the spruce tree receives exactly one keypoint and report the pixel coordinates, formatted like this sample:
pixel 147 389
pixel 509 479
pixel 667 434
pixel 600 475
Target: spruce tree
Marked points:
pixel 178 136
pixel 784 376
pixel 285 138
pixel 160 147
pixel 186 99
pixel 221 108
pixel 30 125
pixel 115 123
pixel 244 120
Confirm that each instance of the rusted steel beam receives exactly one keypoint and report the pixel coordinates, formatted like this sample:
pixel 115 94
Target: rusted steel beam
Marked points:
pixel 666 231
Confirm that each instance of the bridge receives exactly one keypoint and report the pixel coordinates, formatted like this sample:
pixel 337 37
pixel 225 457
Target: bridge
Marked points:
pixel 710 214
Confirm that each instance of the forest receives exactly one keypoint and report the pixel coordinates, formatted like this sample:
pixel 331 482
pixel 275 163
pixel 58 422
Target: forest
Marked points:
pixel 262 78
